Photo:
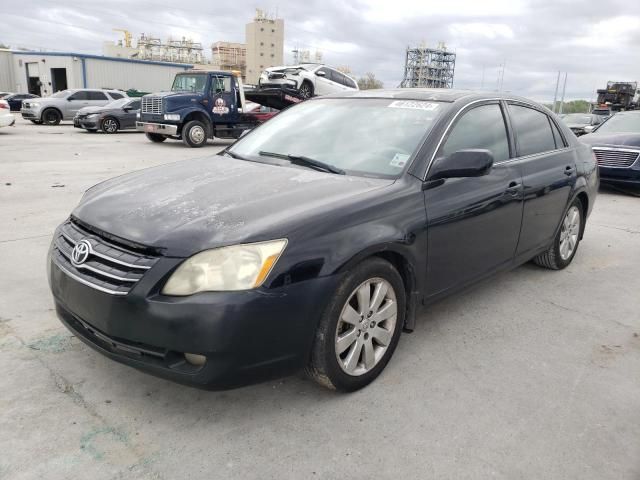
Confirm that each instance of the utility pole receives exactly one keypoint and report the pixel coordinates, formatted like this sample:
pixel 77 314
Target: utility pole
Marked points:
pixel 555 95
pixel 564 88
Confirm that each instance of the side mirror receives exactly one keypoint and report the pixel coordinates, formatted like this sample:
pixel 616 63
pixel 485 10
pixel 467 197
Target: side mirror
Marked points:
pixel 321 73
pixel 463 163
pixel 589 128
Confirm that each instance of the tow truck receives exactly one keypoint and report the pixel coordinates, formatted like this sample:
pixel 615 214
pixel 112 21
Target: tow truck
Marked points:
pixel 208 104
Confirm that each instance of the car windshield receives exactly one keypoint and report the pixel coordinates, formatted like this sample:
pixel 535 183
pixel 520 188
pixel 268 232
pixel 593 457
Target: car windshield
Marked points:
pixel 577 118
pixel 622 122
pixel 118 103
pixel 189 83
pixel 61 94
pixel 370 137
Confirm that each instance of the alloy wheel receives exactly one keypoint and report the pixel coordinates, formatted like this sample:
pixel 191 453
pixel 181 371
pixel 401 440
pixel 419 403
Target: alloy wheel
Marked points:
pixel 569 232
pixel 366 326
pixel 110 125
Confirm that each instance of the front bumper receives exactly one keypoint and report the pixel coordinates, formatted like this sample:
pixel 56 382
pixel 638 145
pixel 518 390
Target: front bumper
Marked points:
pixel 159 128
pixel 86 123
pixel 247 336
pixel 621 176
pixel 30 114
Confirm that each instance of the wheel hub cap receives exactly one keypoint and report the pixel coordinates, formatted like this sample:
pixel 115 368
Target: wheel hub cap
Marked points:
pixel 569 233
pixel 366 326
pixel 197 134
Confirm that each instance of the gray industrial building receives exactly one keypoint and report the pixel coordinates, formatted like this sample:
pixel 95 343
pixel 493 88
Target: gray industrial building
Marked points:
pixel 44 73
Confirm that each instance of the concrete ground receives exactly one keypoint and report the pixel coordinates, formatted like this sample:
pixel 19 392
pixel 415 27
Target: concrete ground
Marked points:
pixel 532 374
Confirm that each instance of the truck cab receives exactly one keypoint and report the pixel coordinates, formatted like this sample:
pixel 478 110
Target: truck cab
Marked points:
pixel 200 105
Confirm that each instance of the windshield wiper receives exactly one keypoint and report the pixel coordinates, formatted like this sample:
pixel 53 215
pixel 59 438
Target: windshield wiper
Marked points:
pixel 305 162
pixel 234 155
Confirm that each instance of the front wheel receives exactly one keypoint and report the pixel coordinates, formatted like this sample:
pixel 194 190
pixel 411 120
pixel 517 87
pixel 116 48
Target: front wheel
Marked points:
pixel 194 134
pixel 360 327
pixel 110 125
pixel 155 137
pixel 306 90
pixel 51 116
pixel 565 245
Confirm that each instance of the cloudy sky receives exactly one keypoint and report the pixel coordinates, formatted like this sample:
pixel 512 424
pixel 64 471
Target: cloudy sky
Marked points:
pixel 594 41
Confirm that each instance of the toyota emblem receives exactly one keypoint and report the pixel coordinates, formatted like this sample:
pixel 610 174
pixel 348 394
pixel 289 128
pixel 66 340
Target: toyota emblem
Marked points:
pixel 80 252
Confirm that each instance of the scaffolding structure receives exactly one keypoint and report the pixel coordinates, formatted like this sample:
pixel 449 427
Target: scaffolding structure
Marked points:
pixel 229 56
pixel 177 51
pixel 429 67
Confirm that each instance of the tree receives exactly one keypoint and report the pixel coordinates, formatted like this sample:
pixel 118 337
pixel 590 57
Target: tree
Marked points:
pixel 574 106
pixel 2 45
pixel 369 81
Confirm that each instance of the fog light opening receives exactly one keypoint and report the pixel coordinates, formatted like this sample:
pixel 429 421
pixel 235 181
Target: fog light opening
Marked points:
pixel 195 359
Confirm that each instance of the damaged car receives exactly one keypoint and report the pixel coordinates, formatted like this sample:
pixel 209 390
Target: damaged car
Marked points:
pixel 309 79
pixel 320 236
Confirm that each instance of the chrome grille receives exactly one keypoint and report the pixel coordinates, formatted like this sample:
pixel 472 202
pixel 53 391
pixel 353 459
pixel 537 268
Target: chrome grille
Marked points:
pixel 615 157
pixel 109 268
pixel 151 105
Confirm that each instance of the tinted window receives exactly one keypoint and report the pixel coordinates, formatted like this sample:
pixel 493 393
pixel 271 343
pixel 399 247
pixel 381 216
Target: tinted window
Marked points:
pixel 349 82
pixel 115 95
pixel 82 95
pixel 556 135
pixel 482 127
pixel 97 96
pixel 533 132
pixel 337 77
pixel 135 105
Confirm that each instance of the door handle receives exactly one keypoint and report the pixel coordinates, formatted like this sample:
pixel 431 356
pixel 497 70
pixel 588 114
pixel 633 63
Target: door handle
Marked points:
pixel 514 188
pixel 569 170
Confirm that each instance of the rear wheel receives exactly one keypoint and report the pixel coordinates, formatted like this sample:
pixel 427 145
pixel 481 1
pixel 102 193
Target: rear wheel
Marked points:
pixel 91 130
pixel 110 125
pixel 565 245
pixel 360 328
pixel 194 134
pixel 155 137
pixel 51 116
pixel 306 90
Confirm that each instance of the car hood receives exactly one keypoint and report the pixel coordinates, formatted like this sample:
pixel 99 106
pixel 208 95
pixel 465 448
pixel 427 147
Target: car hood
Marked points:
pixel 577 125
pixel 192 205
pixel 612 139
pixel 89 110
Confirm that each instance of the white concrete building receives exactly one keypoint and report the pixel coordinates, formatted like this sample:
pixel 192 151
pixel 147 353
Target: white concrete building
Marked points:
pixel 265 45
pixel 44 73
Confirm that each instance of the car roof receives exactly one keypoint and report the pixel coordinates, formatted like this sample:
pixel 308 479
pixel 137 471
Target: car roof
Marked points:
pixel 431 94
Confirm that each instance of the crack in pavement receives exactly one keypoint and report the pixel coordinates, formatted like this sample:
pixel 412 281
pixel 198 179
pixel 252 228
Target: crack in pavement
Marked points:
pixel 24 238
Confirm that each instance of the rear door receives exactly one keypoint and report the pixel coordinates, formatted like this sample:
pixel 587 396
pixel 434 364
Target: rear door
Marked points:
pixel 474 223
pixel 97 98
pixel 324 83
pixel 76 101
pixel 548 174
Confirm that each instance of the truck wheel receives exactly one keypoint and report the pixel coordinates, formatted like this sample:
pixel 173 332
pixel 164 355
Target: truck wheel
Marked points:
pixel 194 134
pixel 51 116
pixel 156 138
pixel 306 90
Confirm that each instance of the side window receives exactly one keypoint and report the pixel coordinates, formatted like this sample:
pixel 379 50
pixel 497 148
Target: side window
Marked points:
pixel 533 132
pixel 81 95
pixel 116 95
pixel 96 96
pixel 556 135
pixel 220 85
pixel 337 77
pixel 349 82
pixel 135 105
pixel 482 127
pixel 327 72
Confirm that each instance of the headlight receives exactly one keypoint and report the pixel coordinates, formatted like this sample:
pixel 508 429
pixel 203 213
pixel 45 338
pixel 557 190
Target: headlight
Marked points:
pixel 172 116
pixel 93 116
pixel 33 105
pixel 240 267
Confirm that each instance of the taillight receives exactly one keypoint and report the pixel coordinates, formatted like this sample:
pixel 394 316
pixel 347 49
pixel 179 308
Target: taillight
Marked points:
pixel 4 105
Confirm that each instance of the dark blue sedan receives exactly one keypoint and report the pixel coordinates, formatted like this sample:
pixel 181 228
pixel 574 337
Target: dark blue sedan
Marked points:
pixel 15 100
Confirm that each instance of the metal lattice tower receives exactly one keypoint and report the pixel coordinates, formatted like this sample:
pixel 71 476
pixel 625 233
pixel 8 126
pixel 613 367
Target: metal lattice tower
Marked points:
pixel 429 67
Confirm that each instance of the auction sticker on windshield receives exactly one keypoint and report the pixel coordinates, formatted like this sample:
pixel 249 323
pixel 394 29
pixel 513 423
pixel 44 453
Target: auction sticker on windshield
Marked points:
pixel 414 104
pixel 399 160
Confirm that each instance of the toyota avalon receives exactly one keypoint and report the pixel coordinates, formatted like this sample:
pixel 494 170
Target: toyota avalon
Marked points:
pixel 320 236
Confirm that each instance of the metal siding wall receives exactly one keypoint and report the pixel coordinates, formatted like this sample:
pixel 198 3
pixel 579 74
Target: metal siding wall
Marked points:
pixel 73 67
pixel 7 82
pixel 126 75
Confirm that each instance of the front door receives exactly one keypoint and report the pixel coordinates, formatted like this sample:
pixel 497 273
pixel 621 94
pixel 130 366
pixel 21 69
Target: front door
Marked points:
pixel 223 96
pixel 128 119
pixel 474 223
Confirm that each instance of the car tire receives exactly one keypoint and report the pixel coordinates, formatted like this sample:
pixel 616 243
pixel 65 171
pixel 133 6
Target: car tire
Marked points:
pixel 110 125
pixel 565 244
pixel 51 116
pixel 36 122
pixel 91 130
pixel 155 137
pixel 194 134
pixel 306 90
pixel 349 336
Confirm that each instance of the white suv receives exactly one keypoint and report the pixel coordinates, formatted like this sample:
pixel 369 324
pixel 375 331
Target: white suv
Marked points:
pixel 6 119
pixel 310 79
pixel 65 104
